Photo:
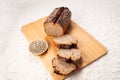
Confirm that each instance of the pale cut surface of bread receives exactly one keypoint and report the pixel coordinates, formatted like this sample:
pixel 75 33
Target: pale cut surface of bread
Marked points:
pixel 57 22
pixel 65 42
pixel 61 67
pixel 53 29
pixel 69 54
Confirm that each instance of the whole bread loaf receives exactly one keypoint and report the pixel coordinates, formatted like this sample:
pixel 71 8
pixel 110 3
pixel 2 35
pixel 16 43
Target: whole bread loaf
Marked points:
pixel 58 21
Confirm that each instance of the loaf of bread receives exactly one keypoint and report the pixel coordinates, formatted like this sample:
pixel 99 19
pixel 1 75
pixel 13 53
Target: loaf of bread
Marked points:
pixel 61 67
pixel 58 21
pixel 70 55
pixel 65 42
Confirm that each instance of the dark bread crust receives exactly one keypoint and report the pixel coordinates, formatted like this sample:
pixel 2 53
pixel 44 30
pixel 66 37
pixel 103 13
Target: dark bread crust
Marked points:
pixel 64 19
pixel 67 46
pixel 54 15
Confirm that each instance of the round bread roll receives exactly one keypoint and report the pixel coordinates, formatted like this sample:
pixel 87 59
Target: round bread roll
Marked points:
pixel 38 47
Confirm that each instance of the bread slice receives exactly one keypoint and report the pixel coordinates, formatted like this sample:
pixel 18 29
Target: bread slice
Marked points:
pixel 73 55
pixel 61 67
pixel 58 21
pixel 65 42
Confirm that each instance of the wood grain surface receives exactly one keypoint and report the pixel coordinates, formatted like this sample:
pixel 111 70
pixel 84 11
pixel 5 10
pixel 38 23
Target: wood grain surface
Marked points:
pixel 91 49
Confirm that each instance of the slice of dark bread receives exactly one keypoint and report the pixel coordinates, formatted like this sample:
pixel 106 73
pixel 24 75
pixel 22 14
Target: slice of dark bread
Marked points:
pixel 61 67
pixel 73 55
pixel 65 42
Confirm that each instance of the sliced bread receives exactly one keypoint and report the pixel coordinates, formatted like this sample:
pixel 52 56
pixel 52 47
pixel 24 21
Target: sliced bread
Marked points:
pixel 61 67
pixel 73 55
pixel 65 42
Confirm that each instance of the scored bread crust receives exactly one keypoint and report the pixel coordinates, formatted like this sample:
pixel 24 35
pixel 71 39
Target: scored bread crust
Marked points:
pixel 64 19
pixel 57 22
pixel 54 15
pixel 61 67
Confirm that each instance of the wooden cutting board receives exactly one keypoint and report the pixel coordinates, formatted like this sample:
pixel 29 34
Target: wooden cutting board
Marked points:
pixel 91 49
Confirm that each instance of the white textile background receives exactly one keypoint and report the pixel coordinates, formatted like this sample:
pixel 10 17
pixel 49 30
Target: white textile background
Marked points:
pixel 101 18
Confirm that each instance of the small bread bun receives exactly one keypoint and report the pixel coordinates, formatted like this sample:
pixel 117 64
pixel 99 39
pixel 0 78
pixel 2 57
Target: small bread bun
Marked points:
pixel 38 47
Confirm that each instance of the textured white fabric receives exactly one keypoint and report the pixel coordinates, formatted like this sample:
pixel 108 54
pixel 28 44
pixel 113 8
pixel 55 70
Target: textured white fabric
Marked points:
pixel 101 18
